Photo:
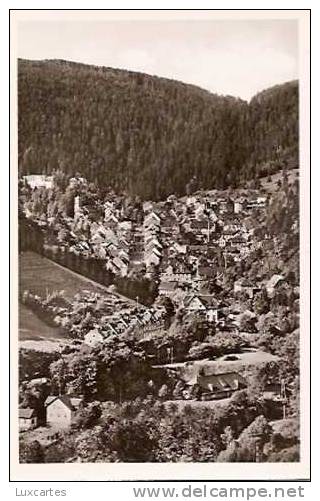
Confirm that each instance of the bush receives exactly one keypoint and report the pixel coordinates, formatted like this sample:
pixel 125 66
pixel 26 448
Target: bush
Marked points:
pixel 31 452
pixel 290 455
pixel 88 416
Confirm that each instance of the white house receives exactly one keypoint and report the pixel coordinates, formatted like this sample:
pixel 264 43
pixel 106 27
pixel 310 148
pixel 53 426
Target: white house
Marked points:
pixel 204 304
pixel 244 285
pixel 147 206
pixel 27 419
pixel 199 211
pixel 125 225
pixel 271 285
pixel 76 207
pixel 93 337
pixel 39 181
pixel 108 209
pixel 61 410
pixel 179 273
pixel 177 248
pixel 152 219
pixel 222 241
pixel 257 203
pixel 191 200
pixel 118 266
pixel 111 220
pixel 153 244
pixel 238 207
pixel 152 258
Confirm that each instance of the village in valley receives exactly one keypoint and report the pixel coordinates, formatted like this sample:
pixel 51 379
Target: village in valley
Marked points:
pixel 187 312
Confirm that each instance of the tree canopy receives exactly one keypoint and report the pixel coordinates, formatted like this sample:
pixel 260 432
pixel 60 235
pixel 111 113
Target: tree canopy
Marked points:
pixel 146 135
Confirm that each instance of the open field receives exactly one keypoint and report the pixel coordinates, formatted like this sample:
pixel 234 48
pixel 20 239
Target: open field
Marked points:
pixel 34 334
pixel 33 328
pixel 250 357
pixel 39 275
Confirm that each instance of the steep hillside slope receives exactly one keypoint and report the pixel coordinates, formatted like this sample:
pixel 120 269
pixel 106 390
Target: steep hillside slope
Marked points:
pixel 274 126
pixel 148 135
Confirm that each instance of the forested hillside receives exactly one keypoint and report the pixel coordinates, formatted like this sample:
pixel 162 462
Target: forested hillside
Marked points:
pixel 148 135
pixel 274 125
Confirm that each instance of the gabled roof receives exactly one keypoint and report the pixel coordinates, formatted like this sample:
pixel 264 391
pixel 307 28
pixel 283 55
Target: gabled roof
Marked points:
pixel 71 402
pixel 119 263
pixel 153 251
pixel 274 280
pixel 207 300
pixel 111 243
pixel 240 199
pixel 124 255
pixel 111 327
pixel 93 332
pixel 153 242
pixel 26 413
pixel 123 243
pixel 178 246
pixel 152 217
pixel 111 217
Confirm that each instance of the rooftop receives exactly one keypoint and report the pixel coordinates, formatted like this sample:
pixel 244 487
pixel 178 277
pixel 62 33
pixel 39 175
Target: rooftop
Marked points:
pixel 26 413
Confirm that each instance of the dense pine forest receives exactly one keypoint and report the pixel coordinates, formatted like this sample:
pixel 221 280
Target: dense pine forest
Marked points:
pixel 146 135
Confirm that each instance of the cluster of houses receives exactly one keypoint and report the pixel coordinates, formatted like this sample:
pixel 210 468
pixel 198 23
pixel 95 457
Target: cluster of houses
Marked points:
pixel 106 240
pixel 152 240
pixel 141 319
pixel 181 243
pixel 166 240
pixel 251 288
pixel 175 243
pixel 60 411
pixel 209 382
pixel 39 181
pixel 111 314
pixel 215 386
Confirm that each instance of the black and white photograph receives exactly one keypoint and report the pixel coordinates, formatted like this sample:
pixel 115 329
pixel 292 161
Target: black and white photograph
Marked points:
pixel 160 190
